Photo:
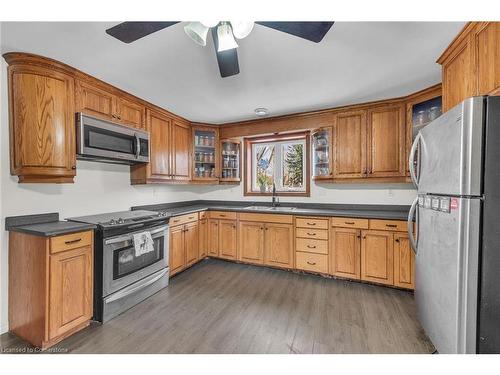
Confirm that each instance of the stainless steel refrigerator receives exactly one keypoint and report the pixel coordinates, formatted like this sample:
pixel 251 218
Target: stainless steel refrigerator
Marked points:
pixel 455 165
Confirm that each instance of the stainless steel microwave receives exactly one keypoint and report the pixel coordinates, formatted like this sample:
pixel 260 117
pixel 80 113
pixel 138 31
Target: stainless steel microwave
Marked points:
pixel 104 141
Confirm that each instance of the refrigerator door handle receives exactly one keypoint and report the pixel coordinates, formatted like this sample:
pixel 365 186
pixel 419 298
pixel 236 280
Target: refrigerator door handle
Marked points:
pixel 411 235
pixel 411 159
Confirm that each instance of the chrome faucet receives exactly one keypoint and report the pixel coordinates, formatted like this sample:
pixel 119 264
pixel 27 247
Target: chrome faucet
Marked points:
pixel 276 200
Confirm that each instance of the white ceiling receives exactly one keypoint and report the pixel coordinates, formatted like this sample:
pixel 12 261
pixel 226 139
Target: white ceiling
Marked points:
pixel 355 62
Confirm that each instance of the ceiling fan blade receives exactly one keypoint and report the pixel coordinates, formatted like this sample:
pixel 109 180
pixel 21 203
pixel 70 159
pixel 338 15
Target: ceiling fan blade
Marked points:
pixel 227 60
pixel 313 31
pixel 129 32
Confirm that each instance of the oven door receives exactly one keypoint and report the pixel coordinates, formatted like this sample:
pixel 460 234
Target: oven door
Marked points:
pixel 121 267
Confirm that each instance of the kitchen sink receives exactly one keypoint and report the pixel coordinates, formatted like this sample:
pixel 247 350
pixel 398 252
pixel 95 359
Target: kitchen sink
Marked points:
pixel 269 208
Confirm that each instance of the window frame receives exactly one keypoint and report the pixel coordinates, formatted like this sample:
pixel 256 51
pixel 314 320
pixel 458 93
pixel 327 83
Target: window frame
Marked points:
pixel 248 160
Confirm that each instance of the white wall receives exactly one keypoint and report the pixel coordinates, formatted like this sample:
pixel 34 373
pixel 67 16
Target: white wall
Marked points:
pixel 103 188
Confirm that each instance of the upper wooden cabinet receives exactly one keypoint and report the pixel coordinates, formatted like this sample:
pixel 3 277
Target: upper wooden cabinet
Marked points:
pixel 41 122
pixel 206 151
pixel 471 63
pixel 169 151
pixel 96 101
pixel 349 145
pixel 322 157
pixel 386 141
pixel 370 143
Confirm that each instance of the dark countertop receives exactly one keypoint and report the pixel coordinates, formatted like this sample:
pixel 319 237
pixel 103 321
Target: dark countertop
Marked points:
pixel 394 212
pixel 44 225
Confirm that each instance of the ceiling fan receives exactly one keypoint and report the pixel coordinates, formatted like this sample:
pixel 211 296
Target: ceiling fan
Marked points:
pixel 223 34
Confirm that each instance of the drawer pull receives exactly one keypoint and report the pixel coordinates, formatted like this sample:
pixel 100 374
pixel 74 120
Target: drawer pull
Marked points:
pixel 190 217
pixel 311 246
pixel 349 222
pixel 311 263
pixel 222 215
pixel 311 223
pixel 72 241
pixel 391 225
pixel 311 234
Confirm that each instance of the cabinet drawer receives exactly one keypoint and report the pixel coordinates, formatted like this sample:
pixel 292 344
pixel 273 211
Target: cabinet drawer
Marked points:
pixel 346 222
pixel 318 234
pixel 311 262
pixel 203 215
pixel 311 246
pixel 70 241
pixel 304 222
pixel 178 220
pixel 222 215
pixel 395 225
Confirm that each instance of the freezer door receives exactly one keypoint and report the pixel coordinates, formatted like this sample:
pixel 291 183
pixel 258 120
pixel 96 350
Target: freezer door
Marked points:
pixel 451 149
pixel 447 272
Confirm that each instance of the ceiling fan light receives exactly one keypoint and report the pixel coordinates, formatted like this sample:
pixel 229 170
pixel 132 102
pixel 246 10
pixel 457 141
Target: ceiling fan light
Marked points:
pixel 197 32
pixel 226 38
pixel 209 23
pixel 241 29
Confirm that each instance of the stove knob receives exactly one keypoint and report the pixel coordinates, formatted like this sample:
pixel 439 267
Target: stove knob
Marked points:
pixel 120 221
pixel 112 222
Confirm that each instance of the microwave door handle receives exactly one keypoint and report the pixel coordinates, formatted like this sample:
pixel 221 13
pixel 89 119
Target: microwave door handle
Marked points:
pixel 137 146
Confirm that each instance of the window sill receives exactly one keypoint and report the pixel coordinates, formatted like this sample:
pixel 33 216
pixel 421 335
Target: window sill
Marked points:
pixel 278 194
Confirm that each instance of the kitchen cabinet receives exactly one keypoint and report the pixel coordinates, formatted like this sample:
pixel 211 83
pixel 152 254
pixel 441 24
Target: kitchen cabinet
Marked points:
pixel 169 151
pixel 377 252
pixel 322 157
pixel 345 258
pixel 471 63
pixel 213 237
pixel 55 298
pixel 222 236
pixel 41 121
pixel 251 242
pixel 183 244
pixel 227 239
pixel 386 142
pixel 404 262
pixel 95 100
pixel 349 145
pixel 230 161
pixel 192 244
pixel 278 245
pixel 203 236
pixel 206 153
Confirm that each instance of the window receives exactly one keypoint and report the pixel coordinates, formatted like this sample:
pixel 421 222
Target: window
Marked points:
pixel 279 159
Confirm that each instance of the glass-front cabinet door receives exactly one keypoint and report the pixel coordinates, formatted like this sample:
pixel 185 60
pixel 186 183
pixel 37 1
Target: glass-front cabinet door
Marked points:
pixel 230 161
pixel 321 140
pixel 206 153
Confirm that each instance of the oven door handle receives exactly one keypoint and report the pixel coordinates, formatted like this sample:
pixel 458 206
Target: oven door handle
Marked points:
pixel 139 285
pixel 129 237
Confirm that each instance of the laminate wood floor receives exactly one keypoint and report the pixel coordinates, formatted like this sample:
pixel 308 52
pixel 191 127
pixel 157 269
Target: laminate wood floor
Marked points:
pixel 223 307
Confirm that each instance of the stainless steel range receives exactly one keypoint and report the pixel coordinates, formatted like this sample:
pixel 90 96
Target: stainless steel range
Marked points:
pixel 122 277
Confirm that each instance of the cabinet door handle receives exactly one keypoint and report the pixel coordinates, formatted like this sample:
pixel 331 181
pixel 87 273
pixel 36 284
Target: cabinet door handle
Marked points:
pixel 349 222
pixel 311 223
pixel 72 241
pixel 311 263
pixel 391 225
pixel 397 239
pixel 311 246
pixel 311 234
pixel 358 236
pixel 261 228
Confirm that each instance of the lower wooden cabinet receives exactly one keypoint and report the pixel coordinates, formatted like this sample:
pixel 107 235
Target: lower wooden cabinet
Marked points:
pixel 278 245
pixel 191 241
pixel 404 262
pixel 70 296
pixel 203 237
pixel 222 239
pixel 50 286
pixel 183 246
pixel 377 262
pixel 251 242
pixel 345 258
